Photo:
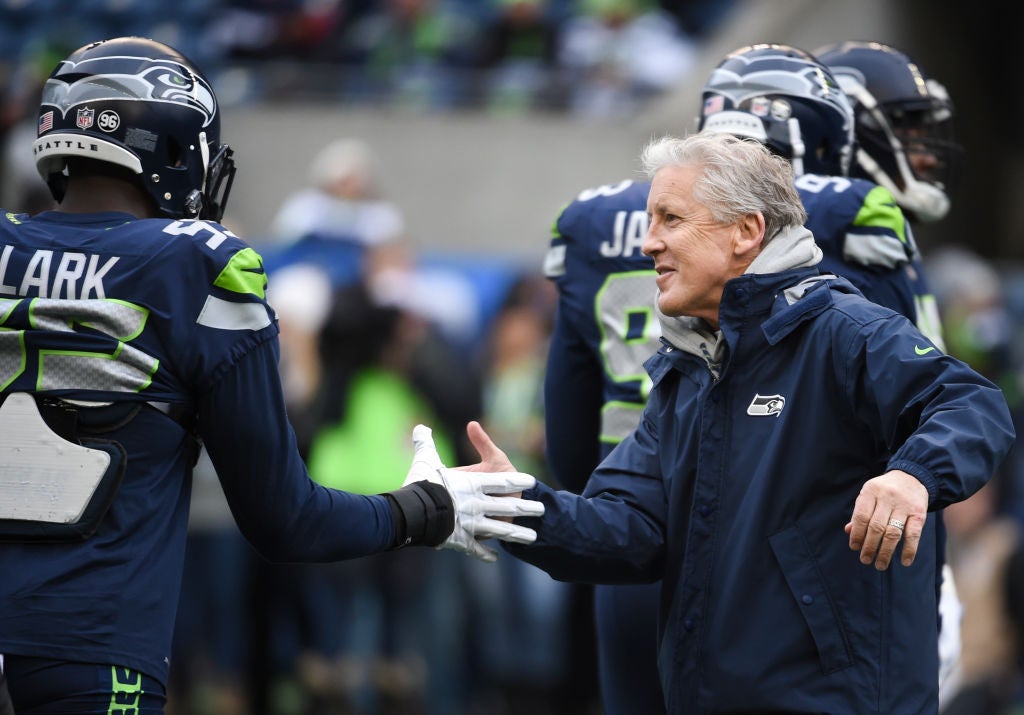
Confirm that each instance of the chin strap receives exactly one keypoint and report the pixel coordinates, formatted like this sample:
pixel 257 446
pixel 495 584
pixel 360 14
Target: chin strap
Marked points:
pixel 796 141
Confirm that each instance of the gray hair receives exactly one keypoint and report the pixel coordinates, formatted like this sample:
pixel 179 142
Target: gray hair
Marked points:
pixel 740 177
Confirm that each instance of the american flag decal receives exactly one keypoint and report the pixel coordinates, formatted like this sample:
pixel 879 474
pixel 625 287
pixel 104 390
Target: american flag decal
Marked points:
pixel 713 104
pixel 46 122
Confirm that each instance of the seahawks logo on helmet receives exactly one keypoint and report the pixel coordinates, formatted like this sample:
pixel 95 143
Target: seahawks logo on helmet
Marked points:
pixel 141 105
pixel 805 115
pixel 157 81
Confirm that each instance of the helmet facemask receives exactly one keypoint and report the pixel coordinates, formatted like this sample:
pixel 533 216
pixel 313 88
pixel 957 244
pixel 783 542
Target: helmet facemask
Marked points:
pixel 904 125
pixel 219 177
pixel 888 134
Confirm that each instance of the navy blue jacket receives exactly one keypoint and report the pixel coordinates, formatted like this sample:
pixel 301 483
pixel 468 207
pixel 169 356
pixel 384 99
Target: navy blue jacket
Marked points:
pixel 734 492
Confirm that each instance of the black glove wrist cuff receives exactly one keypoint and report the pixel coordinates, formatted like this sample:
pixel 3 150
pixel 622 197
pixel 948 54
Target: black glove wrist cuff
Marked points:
pixel 424 513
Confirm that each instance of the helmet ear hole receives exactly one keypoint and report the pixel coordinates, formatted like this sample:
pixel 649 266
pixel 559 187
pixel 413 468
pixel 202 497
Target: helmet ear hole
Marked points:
pixel 176 156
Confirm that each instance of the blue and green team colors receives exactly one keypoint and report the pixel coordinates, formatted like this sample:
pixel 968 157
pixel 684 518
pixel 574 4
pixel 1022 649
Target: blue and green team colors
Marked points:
pixel 103 307
pixel 595 387
pixel 866 239
pixel 106 308
pixel 605 326
pixel 126 689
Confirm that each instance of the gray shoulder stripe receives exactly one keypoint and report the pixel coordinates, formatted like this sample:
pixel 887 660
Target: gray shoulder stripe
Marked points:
pixel 875 250
pixel 228 315
pixel 554 261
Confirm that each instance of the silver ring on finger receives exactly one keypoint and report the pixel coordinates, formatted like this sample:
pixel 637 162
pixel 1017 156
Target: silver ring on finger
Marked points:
pixel 896 523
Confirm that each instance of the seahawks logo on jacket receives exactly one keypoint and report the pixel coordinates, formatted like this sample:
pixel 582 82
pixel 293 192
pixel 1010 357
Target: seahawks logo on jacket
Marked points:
pixel 766 405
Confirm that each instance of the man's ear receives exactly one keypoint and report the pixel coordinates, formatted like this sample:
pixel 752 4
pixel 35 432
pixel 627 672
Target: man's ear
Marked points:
pixel 751 234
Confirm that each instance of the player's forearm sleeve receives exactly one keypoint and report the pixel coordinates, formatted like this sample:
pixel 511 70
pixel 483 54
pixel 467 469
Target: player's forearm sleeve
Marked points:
pixel 423 513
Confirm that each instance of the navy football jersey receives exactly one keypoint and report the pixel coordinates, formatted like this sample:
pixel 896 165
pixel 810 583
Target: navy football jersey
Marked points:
pixel 866 238
pixel 105 307
pixel 605 327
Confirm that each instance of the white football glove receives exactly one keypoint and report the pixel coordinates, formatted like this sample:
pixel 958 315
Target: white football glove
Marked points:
pixel 471 493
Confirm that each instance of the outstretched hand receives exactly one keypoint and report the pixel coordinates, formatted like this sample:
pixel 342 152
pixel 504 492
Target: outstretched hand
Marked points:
pixel 485 502
pixel 889 508
pixel 492 458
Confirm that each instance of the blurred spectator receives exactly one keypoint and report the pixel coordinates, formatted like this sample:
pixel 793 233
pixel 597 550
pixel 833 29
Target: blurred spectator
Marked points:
pixel 618 53
pixel 983 330
pixel 523 661
pixel 343 200
pixel 340 231
pixel 437 291
pixel 340 221
pixel 447 309
pixel 370 644
pixel 518 55
pixel 411 54
pixel 979 327
pixel 986 549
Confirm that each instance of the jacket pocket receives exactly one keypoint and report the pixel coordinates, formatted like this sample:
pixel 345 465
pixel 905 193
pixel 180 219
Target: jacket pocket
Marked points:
pixel 808 587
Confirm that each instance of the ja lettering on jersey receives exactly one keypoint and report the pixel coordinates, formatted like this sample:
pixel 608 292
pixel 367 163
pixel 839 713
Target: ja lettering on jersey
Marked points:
pixel 606 294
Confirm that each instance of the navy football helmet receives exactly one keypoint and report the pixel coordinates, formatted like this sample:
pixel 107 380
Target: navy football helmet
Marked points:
pixel 141 105
pixel 904 125
pixel 782 96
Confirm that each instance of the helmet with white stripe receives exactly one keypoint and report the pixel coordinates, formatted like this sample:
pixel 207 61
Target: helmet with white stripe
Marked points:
pixel 782 96
pixel 137 104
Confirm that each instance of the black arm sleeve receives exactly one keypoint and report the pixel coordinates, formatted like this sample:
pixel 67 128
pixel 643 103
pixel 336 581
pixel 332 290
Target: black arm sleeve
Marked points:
pixel 424 513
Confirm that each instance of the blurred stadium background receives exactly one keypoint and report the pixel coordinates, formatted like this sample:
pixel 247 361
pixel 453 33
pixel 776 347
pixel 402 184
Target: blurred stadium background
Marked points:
pixel 481 133
pixel 486 173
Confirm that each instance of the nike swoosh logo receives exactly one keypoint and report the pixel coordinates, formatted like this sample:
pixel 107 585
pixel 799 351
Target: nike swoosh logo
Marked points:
pixel 922 351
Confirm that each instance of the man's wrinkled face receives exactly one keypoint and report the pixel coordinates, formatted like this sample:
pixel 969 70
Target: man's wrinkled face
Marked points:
pixel 693 254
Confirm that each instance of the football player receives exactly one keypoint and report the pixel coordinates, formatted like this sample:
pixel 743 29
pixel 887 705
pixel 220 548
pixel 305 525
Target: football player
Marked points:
pixel 134 326
pixel 905 139
pixel 595 388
